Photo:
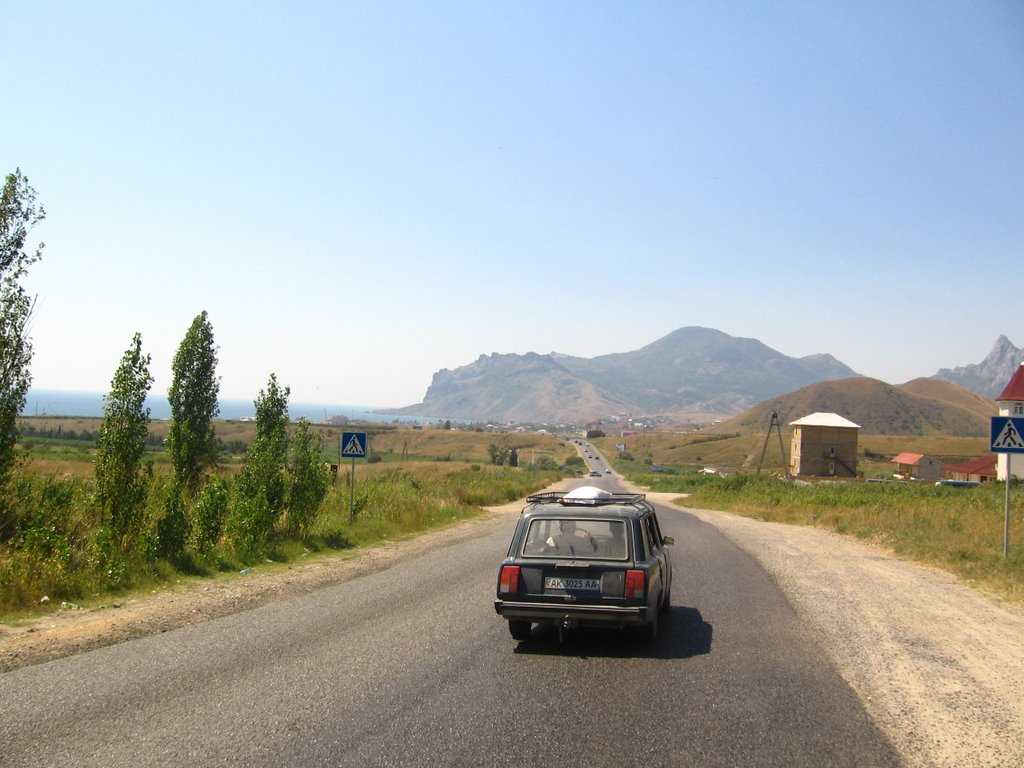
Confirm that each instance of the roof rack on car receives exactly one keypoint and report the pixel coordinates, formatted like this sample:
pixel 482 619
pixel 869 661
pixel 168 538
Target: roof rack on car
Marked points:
pixel 560 497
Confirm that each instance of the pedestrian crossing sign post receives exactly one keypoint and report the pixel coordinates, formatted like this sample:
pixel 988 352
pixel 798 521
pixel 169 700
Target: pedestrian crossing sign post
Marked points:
pixel 352 446
pixel 1007 435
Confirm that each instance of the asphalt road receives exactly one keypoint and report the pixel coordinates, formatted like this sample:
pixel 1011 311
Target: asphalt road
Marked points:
pixel 411 667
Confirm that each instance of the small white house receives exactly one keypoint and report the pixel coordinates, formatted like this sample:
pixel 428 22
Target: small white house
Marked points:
pixel 917 466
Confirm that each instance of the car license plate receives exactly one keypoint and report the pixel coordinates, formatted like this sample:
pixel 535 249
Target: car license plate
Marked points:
pixel 569 583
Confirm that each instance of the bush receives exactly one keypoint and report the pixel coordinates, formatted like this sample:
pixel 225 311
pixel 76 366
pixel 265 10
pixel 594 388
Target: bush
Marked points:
pixel 48 530
pixel 211 510
pixel 172 528
pixel 308 479
pixel 542 463
pixel 250 521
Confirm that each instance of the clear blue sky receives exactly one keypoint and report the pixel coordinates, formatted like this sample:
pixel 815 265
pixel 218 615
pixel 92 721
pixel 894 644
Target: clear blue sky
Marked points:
pixel 362 194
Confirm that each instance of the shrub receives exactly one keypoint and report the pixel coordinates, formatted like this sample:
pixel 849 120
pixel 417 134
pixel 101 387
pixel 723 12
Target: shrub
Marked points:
pixel 208 516
pixel 308 478
pixel 250 520
pixel 172 528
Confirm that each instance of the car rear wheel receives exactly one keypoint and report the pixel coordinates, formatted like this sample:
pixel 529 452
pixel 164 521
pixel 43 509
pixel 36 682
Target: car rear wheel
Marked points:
pixel 520 630
pixel 666 600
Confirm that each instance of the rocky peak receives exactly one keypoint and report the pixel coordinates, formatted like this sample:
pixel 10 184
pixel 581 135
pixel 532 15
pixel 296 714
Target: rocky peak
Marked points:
pixel 989 377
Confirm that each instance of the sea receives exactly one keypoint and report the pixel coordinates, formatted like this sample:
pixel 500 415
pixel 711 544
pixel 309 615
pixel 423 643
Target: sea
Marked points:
pixel 59 402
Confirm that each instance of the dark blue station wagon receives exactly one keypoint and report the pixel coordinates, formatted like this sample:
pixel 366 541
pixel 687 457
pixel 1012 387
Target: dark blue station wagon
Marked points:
pixel 585 558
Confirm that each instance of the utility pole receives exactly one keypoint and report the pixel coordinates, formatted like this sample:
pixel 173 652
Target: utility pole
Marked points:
pixel 778 428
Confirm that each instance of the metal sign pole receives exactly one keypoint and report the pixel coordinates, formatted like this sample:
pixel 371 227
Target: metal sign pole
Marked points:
pixel 1006 518
pixel 352 493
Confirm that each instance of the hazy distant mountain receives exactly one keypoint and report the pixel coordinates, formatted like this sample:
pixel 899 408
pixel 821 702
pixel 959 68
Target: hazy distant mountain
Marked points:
pixel 701 369
pixel 919 407
pixel 989 377
pixel 516 388
pixel 690 371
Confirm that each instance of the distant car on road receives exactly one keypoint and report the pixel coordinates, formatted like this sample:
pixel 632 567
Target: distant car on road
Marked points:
pixel 593 473
pixel 586 558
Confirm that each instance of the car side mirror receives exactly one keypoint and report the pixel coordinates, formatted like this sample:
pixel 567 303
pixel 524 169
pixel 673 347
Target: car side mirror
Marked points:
pixel 668 540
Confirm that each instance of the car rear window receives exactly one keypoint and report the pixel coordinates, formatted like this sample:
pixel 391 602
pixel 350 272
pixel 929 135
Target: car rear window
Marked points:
pixel 586 539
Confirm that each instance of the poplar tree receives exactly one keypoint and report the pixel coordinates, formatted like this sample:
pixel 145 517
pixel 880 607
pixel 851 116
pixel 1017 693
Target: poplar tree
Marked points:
pixel 258 492
pixel 18 215
pixel 271 444
pixel 121 477
pixel 192 440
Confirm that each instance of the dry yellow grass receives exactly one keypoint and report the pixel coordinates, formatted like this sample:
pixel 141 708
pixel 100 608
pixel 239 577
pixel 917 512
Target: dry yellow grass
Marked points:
pixel 744 451
pixel 391 443
pixel 464 445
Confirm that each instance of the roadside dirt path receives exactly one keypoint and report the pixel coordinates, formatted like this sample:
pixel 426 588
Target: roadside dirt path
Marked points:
pixel 939 666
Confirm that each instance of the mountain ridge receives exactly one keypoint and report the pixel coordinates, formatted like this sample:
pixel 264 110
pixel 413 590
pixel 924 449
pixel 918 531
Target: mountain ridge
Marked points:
pixel 689 374
pixel 695 375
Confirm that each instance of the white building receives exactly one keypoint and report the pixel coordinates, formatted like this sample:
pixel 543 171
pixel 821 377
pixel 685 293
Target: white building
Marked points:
pixel 1011 403
pixel 823 445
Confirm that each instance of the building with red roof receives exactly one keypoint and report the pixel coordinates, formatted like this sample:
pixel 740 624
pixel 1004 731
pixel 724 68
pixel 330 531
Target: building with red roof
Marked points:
pixel 1015 389
pixel 1011 403
pixel 917 466
pixel 979 470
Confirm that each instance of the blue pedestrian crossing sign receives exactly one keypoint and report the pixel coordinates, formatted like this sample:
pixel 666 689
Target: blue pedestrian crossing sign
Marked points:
pixel 1007 434
pixel 353 445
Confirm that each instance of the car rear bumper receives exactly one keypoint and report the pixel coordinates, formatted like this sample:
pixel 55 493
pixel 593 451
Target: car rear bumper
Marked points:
pixel 568 614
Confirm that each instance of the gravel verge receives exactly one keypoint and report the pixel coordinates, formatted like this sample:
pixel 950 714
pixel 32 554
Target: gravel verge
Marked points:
pixel 938 665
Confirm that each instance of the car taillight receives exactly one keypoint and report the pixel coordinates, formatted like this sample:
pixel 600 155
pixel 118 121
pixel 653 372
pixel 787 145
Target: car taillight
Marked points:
pixel 508 581
pixel 636 584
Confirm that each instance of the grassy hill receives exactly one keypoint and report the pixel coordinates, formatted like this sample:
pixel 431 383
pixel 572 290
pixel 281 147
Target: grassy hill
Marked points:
pixel 921 407
pixel 952 394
